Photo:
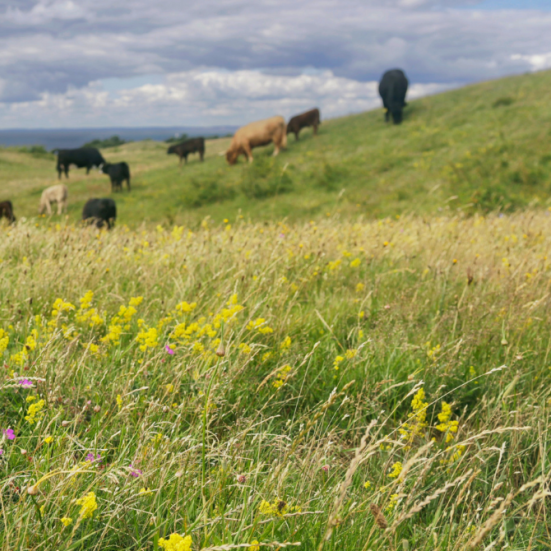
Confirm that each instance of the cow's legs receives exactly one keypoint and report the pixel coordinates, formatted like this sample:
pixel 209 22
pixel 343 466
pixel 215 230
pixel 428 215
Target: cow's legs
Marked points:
pixel 48 208
pixel 59 170
pixel 66 167
pixel 180 163
pixel 296 135
pixel 276 151
pixel 87 170
pixel 248 153
pixel 128 183
pixel 59 207
pixel 315 129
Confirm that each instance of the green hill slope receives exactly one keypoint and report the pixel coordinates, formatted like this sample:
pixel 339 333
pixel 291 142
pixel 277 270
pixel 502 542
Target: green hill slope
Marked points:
pixel 479 148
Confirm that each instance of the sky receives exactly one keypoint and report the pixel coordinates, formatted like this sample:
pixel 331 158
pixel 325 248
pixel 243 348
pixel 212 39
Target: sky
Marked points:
pixel 100 63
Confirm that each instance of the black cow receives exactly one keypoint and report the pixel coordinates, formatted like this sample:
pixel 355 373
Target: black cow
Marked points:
pixel 392 89
pixel 183 149
pixel 118 172
pixel 83 157
pixel 100 211
pixel 6 211
pixel 298 122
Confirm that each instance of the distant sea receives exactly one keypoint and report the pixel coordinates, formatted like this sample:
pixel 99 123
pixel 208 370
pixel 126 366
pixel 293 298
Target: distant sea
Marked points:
pixel 66 138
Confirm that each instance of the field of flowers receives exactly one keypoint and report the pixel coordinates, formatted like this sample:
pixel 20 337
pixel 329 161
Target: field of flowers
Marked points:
pixel 328 385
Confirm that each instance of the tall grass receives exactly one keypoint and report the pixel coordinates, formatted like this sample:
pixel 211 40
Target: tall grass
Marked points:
pixel 367 385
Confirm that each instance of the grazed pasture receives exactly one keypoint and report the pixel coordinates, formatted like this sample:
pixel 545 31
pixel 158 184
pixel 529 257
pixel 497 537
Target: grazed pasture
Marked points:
pixel 477 149
pixel 342 385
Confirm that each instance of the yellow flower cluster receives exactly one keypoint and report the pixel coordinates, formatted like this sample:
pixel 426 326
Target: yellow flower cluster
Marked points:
pixel 148 339
pixel 4 341
pixel 282 376
pixel 30 344
pixel 185 308
pixel 337 362
pixel 447 426
pixel 121 320
pixel 417 418
pixel 67 521
pixel 286 344
pixel 396 470
pixel 175 542
pixel 88 505
pixel 260 325
pixel 87 314
pixel 277 508
pixel 35 413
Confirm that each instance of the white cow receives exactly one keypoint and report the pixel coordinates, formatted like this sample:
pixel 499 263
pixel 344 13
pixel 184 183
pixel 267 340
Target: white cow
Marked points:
pixel 54 194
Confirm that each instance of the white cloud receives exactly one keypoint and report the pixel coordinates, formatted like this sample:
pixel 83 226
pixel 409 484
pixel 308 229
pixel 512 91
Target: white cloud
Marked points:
pixel 56 48
pixel 537 62
pixel 205 97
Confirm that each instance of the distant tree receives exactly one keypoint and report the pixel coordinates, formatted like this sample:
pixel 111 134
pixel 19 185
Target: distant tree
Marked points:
pixel 113 141
pixel 177 139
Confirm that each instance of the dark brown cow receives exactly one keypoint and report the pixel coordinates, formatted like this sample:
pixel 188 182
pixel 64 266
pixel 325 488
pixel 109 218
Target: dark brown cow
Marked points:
pixel 298 122
pixel 6 210
pixel 183 149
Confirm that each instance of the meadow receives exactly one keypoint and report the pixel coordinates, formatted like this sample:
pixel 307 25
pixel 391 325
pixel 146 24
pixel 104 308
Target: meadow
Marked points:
pixel 477 149
pixel 323 385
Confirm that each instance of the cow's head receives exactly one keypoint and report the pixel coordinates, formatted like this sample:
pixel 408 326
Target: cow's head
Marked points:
pixel 231 156
pixel 171 149
pixel 104 167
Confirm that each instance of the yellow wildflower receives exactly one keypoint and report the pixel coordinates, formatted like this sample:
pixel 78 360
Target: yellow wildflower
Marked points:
pixel 254 546
pixel 35 413
pixel 87 504
pixel 396 470
pixel 119 401
pixel 355 263
pixel 145 492
pixel 49 439
pixel 67 521
pixel 447 426
pixel 367 484
pixel 176 543
pixel 286 344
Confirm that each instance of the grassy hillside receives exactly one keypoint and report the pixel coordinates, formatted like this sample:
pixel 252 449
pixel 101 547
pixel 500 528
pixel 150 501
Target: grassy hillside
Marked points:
pixel 337 386
pixel 479 148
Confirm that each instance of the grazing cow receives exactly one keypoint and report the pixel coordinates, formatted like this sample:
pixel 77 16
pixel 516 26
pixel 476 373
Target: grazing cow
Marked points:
pixel 298 122
pixel 392 89
pixel 83 157
pixel 183 149
pixel 118 172
pixel 256 134
pixel 100 211
pixel 54 194
pixel 6 210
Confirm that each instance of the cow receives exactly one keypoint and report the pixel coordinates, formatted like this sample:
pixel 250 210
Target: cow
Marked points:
pixel 54 194
pixel 298 122
pixel 257 134
pixel 118 173
pixel 392 89
pixel 6 211
pixel 183 149
pixel 100 211
pixel 83 157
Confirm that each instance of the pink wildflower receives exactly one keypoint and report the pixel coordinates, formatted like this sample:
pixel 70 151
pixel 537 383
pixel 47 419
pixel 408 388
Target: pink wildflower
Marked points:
pixel 135 472
pixel 325 468
pixel 90 457
pixel 9 434
pixel 169 350
pixel 25 383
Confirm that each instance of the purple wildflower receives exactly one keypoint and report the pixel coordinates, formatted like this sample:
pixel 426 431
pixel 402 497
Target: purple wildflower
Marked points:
pixel 135 472
pixel 9 434
pixel 90 457
pixel 25 383
pixel 1 451
pixel 325 468
pixel 169 350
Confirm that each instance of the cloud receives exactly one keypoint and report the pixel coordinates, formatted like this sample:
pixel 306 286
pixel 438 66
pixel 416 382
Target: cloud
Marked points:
pixel 537 62
pixel 54 48
pixel 206 98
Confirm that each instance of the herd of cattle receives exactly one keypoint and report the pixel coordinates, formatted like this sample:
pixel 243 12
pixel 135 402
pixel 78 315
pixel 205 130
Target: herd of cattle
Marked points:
pixel 392 89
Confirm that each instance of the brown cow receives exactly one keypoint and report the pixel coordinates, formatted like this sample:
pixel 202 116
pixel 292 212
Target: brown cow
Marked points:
pixel 6 210
pixel 256 134
pixel 298 122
